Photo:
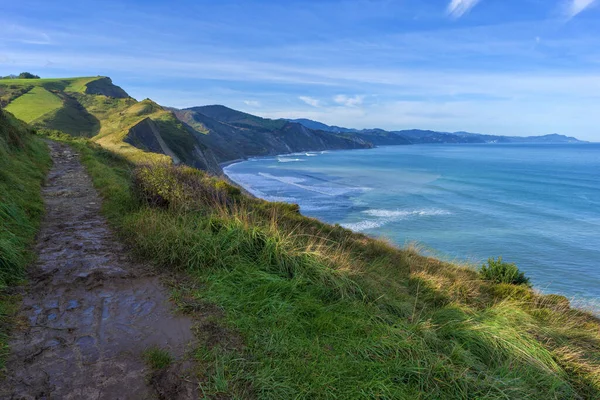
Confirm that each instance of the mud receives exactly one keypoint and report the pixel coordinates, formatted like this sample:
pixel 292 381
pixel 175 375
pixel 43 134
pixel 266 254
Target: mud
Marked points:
pixel 88 311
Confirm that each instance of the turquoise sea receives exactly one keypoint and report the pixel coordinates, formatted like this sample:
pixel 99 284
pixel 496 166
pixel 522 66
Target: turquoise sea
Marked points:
pixel 535 205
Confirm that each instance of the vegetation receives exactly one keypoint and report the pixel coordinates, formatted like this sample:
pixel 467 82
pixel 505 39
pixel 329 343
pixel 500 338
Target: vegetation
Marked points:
pixel 34 104
pixel 501 272
pixel 309 310
pixel 24 160
pixel 157 358
pixel 326 313
pixel 22 75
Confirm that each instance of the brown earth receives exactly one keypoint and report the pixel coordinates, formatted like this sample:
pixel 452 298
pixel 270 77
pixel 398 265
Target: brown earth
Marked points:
pixel 89 312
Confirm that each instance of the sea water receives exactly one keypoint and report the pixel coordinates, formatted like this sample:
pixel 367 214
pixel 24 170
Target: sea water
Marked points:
pixel 535 205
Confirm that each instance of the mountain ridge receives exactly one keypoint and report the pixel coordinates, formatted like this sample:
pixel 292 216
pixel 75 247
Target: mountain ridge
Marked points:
pixel 420 136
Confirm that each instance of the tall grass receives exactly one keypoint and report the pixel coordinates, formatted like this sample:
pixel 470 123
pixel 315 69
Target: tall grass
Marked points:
pixel 327 313
pixel 24 160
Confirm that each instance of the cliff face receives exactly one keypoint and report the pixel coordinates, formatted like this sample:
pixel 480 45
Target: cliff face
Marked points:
pixel 232 135
pixel 104 86
pixel 147 135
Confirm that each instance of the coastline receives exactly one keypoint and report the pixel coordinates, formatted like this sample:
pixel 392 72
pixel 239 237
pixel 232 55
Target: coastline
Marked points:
pixel 581 300
pixel 226 164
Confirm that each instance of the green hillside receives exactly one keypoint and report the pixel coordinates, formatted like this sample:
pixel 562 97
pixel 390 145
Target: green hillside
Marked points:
pixel 232 134
pixel 96 108
pixel 24 161
pixel 238 118
pixel 34 104
pixel 201 137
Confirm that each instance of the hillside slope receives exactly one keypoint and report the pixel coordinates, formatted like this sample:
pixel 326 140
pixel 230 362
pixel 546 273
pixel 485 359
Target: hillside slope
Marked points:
pixel 201 137
pixel 232 134
pixel 94 107
pixel 24 160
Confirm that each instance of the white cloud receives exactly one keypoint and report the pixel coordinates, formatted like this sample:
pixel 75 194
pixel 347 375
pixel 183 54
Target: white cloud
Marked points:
pixel 574 7
pixel 252 103
pixel 22 34
pixel 310 101
pixel 349 101
pixel 457 8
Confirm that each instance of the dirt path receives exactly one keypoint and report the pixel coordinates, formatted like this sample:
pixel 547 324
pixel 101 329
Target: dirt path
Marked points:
pixel 89 313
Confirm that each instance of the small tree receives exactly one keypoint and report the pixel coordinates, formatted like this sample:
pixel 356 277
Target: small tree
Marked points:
pixel 502 272
pixel 28 75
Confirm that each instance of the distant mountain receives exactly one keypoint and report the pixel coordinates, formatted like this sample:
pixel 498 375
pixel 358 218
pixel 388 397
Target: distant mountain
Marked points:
pixel 321 126
pixel 232 134
pixel 419 136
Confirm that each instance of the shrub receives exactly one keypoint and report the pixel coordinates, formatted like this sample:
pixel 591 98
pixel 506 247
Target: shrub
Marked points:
pixel 181 187
pixel 502 272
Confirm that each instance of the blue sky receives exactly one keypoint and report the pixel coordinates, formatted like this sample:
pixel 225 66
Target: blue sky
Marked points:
pixel 521 67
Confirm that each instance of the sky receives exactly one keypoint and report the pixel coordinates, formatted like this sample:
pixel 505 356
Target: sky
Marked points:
pixel 512 67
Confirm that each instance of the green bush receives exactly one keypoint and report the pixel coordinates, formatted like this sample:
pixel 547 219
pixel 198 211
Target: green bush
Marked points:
pixel 502 272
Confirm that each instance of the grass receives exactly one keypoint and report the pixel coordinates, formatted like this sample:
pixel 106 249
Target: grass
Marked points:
pixel 157 358
pixel 24 160
pixel 34 104
pixel 65 105
pixel 62 84
pixel 326 313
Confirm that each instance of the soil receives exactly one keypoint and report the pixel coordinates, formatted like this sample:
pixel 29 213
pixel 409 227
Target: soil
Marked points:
pixel 89 312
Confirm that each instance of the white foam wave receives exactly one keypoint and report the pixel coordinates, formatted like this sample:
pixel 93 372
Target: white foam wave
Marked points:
pixel 311 154
pixel 404 213
pixel 286 160
pixel 384 217
pixel 363 225
pixel 324 190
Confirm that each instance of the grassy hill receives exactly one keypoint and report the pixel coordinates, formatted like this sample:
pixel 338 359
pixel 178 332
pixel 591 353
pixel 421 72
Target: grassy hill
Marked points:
pixel 94 107
pixel 201 137
pixel 24 160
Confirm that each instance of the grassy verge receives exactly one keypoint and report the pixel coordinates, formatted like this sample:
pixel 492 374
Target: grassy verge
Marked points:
pixel 24 160
pixel 326 313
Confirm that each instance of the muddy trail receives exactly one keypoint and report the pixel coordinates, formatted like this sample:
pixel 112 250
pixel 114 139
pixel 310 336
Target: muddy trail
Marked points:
pixel 89 312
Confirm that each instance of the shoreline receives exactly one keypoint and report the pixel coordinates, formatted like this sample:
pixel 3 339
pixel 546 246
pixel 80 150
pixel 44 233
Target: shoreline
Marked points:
pixel 226 164
pixel 582 303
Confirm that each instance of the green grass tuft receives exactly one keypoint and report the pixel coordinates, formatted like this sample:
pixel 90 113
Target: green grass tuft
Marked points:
pixel 157 358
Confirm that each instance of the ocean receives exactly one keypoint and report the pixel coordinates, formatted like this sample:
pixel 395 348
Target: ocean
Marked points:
pixel 535 205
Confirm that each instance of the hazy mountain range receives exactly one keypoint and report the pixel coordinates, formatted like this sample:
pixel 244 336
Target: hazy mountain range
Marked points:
pixel 419 136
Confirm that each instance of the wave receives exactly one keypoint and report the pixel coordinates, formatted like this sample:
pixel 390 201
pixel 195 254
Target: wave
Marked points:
pixel 363 225
pixel 311 154
pixel 324 190
pixel 381 213
pixel 286 160
pixel 384 217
